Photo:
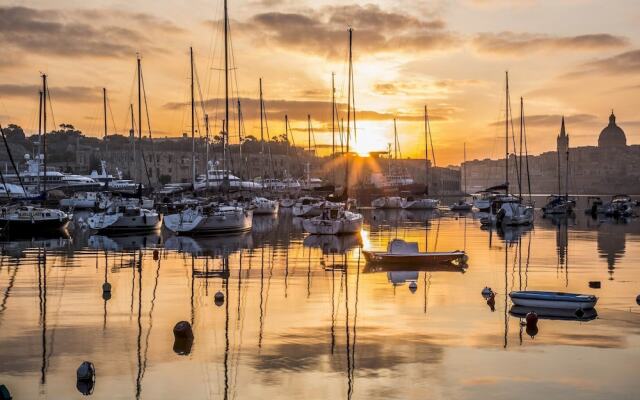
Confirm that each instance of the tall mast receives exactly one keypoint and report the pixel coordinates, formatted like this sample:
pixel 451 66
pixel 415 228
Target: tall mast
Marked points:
pixel 395 140
pixel 44 133
pixel 566 184
pixel 39 138
pixel 132 136
pixel 558 157
pixel 333 114
pixel 104 107
pixel 520 157
pixel 206 165
pixel 464 166
pixel 261 115
pixel 309 132
pixel 139 117
pixel 506 133
pixel 426 151
pixel 225 137
pixel 240 166
pixel 346 177
pixel 193 122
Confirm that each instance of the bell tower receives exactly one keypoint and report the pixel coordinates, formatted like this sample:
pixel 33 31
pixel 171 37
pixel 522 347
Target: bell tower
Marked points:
pixel 563 140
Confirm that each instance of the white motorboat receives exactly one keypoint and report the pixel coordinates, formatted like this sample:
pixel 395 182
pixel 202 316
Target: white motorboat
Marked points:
pixel 32 220
pixel 620 206
pixel 483 199
pixel 110 182
pixel 558 205
pixel 508 210
pixel 107 201
pixel 334 222
pixel 411 203
pixel 307 206
pixel 83 200
pixel 263 206
pixel 216 178
pixel 388 202
pixel 209 219
pixel 572 301
pixel 461 206
pixel 125 219
pixel 11 191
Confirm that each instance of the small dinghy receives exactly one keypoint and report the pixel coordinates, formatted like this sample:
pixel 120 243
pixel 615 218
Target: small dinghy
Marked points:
pixel 401 252
pixel 572 301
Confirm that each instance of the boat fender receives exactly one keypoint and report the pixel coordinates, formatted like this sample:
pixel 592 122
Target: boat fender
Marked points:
pixel 464 258
pixel 532 330
pixel 4 393
pixel 579 313
pixel 413 286
pixel 106 287
pixel 487 292
pixel 638 300
pixel 85 378
pixel 218 298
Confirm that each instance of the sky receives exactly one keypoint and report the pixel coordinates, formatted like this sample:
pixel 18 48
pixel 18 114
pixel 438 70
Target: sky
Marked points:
pixel 577 58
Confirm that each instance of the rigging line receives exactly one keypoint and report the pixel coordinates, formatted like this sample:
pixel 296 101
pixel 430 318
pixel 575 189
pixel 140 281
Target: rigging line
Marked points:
pixel 509 117
pixel 113 120
pixel 53 117
pixel 430 136
pixel 13 164
pixel 526 155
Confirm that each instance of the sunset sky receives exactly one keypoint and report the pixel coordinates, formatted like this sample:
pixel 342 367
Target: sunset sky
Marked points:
pixel 578 58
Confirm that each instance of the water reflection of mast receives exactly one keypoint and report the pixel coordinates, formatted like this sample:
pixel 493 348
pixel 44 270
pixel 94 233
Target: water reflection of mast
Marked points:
pixel 225 267
pixel 153 303
pixel 42 291
pixel 261 297
pixel 139 337
pixel 105 297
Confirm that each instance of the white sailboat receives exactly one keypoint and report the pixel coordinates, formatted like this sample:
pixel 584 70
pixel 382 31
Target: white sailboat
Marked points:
pixel 209 219
pixel 263 206
pixel 389 202
pixel 334 222
pixel 125 219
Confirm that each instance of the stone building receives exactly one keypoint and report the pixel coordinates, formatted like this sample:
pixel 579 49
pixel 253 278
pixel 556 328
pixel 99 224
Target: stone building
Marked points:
pixel 610 167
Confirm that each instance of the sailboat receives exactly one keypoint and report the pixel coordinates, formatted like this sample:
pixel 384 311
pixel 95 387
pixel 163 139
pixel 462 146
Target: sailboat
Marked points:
pixel 215 217
pixel 463 205
pixel 507 209
pixel 559 204
pixel 423 203
pixel 126 214
pixel 336 218
pixel 30 220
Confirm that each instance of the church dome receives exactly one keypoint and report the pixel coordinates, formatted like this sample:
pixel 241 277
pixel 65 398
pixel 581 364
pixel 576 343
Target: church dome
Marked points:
pixel 612 135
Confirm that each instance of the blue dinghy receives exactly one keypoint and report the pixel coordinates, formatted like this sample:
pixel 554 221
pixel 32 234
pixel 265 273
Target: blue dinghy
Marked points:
pixel 573 301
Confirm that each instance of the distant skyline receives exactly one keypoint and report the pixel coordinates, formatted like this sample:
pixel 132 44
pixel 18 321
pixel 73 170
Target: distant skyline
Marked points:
pixel 577 58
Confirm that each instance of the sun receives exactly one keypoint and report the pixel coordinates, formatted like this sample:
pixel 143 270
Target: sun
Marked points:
pixel 370 137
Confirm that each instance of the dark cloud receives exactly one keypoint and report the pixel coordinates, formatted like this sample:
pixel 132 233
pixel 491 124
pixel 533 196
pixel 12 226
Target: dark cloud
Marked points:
pixel 98 33
pixel 553 120
pixel 623 63
pixel 62 93
pixel 510 43
pixel 421 88
pixel 324 31
pixel 297 110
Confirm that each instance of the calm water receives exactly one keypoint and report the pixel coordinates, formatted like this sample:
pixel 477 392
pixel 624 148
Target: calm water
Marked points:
pixel 297 324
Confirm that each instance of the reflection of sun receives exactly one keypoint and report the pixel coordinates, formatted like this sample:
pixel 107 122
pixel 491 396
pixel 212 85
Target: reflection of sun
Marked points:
pixel 371 136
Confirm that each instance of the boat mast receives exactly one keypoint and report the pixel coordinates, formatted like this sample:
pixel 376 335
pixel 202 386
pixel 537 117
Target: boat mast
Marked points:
pixel 139 116
pixel 506 133
pixel 346 176
pixel 225 137
pixel 39 140
pixel 566 184
pixel 193 128
pixel 464 166
pixel 132 136
pixel 104 108
pixel 309 133
pixel 333 114
pixel 426 152
pixel 206 166
pixel 520 156
pixel 44 134
pixel 559 171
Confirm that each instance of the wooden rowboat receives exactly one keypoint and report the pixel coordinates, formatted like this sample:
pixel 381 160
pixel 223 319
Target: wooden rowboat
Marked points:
pixel 400 252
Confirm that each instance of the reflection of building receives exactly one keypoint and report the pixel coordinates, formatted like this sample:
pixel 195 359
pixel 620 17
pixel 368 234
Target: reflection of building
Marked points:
pixel 611 167
pixel 611 244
